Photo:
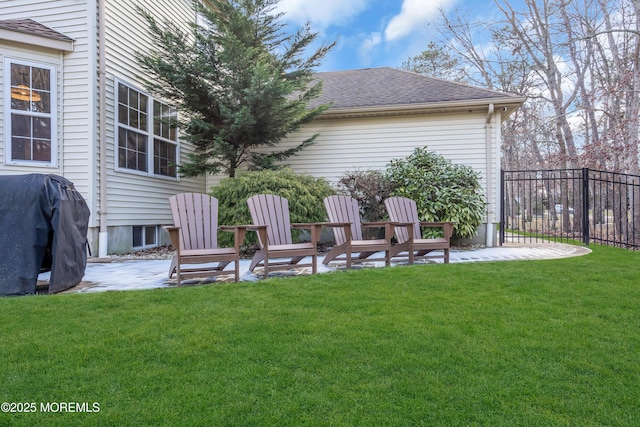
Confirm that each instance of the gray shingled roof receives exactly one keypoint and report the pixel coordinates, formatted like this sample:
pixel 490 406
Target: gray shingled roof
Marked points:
pixel 382 87
pixel 29 26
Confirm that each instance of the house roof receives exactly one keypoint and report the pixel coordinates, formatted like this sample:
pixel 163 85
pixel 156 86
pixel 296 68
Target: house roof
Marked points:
pixel 392 89
pixel 33 32
pixel 29 26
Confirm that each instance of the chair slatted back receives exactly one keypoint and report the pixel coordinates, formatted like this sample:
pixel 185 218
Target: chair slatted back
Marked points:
pixel 273 211
pixel 401 209
pixel 197 216
pixel 344 209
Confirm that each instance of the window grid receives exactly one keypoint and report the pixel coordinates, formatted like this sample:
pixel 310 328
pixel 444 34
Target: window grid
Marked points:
pixel 165 139
pixel 139 147
pixel 144 236
pixel 31 113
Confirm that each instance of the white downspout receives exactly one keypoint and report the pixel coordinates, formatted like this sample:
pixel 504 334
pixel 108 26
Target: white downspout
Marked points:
pixel 489 178
pixel 103 236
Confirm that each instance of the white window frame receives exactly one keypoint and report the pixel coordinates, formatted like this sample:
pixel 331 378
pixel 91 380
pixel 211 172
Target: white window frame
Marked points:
pixel 145 231
pixel 53 115
pixel 148 133
pixel 173 115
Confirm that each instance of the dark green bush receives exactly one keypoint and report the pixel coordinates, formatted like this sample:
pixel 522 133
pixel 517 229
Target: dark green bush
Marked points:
pixel 443 191
pixel 304 193
pixel 370 188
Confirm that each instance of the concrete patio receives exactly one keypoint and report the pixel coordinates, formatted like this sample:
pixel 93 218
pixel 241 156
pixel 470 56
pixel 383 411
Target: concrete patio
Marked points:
pixel 118 274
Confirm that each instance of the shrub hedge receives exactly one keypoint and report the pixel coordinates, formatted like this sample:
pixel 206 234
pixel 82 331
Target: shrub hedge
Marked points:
pixel 370 188
pixel 443 191
pixel 304 193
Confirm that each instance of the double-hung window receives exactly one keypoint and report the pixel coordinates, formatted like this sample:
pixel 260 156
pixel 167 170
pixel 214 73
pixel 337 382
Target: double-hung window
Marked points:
pixel 165 139
pixel 30 113
pixel 147 133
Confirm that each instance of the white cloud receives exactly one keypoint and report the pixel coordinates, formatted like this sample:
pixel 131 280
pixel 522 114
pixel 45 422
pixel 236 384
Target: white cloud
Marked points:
pixel 368 46
pixel 321 14
pixel 413 15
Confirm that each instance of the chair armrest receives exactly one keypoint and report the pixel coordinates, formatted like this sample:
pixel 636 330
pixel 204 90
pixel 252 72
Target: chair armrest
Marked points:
pixel 408 226
pixel 376 224
pixel 262 234
pixel 447 227
pixel 174 236
pixel 389 228
pixel 239 231
pixel 402 224
pixel 315 228
pixel 437 224
pixel 334 224
pixel 233 228
pixel 307 225
pixel 346 226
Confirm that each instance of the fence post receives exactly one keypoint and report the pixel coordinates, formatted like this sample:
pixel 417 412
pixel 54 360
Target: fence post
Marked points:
pixel 585 205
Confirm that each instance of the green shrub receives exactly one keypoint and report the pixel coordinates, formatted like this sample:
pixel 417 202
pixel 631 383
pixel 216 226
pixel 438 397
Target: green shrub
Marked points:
pixel 443 191
pixel 304 193
pixel 370 188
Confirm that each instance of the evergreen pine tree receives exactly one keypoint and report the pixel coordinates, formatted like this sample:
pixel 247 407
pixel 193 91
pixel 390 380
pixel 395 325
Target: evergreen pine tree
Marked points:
pixel 239 80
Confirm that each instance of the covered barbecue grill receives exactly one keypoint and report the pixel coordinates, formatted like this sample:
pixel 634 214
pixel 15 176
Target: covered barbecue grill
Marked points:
pixel 43 227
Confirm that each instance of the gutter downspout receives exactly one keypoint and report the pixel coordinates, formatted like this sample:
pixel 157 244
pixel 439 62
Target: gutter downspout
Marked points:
pixel 103 236
pixel 490 225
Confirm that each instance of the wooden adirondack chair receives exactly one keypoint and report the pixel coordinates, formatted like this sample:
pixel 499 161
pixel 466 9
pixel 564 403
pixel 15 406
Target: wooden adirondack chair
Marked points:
pixel 195 238
pixel 344 217
pixel 404 213
pixel 270 216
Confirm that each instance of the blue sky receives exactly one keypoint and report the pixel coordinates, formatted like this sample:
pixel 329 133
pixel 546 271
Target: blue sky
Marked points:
pixel 375 33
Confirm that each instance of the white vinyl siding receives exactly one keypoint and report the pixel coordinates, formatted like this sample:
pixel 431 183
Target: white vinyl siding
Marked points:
pixel 346 145
pixel 75 73
pixel 139 199
pixel 131 199
pixel 371 143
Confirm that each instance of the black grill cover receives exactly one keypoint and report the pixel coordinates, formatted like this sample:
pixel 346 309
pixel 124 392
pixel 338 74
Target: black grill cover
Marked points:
pixel 43 227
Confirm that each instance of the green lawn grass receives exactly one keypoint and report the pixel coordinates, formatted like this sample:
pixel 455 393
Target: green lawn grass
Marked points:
pixel 511 343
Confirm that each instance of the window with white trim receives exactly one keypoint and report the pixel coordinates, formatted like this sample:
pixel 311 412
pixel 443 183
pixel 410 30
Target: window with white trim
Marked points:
pixel 145 236
pixel 30 113
pixel 165 139
pixel 147 133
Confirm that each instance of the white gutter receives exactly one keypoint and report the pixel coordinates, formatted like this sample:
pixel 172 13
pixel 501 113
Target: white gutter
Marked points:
pixel 489 178
pixel 511 103
pixel 103 236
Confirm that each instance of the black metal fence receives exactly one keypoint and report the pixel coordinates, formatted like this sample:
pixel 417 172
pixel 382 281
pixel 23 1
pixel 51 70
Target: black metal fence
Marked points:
pixel 571 204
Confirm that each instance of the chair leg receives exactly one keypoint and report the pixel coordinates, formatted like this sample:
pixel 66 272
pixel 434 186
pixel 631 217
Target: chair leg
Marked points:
pixel 237 269
pixel 446 256
pixel 178 273
pixel 332 254
pixel 314 266
pixel 172 267
pixel 265 265
pixel 259 256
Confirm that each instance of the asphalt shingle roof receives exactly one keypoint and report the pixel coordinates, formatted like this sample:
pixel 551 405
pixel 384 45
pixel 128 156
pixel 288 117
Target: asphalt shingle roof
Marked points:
pixel 377 87
pixel 29 26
